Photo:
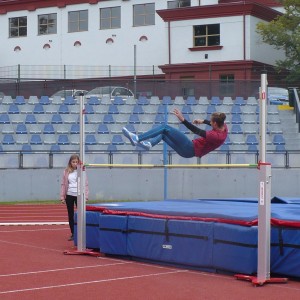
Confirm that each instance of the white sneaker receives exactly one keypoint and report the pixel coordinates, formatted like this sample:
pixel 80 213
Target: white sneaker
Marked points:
pixel 145 145
pixel 133 138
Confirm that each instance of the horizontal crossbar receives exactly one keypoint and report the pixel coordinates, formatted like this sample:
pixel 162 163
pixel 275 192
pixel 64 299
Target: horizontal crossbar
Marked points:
pixel 173 166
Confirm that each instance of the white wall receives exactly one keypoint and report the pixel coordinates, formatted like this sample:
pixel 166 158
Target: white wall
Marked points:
pixel 257 50
pixel 94 50
pixel 182 39
pixel 145 184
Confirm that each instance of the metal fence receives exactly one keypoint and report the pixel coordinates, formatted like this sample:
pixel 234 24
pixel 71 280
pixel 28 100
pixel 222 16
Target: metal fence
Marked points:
pixel 45 80
pixel 49 160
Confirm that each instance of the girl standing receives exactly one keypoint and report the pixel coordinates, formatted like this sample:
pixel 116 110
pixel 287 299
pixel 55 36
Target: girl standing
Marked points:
pixel 68 191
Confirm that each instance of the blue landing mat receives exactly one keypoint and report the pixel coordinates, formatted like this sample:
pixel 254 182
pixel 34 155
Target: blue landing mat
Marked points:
pixel 210 234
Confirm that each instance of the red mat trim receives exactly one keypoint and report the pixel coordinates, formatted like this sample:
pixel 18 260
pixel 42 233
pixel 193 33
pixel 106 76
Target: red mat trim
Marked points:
pixel 274 221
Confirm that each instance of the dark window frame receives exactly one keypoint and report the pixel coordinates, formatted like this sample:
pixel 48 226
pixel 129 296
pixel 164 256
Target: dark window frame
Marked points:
pixel 207 35
pixel 147 18
pixel 48 24
pixel 20 29
pixel 111 18
pixel 80 21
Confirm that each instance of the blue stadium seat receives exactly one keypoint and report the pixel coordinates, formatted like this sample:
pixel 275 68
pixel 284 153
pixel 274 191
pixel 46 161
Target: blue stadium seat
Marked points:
pixel 191 100
pixel 186 109
pixel 239 101
pixel 228 141
pixel 166 100
pixel 20 100
pixel 63 139
pixel 63 109
pixel 36 140
pixel 69 100
pixel 278 139
pixel 236 109
pixel 75 128
pixel 252 148
pixel 236 129
pixel 134 119
pixel 113 109
pixel 26 148
pixel 188 118
pixel 112 148
pixel 251 139
pixel 159 119
pixel 38 109
pixel 142 100
pixel 48 129
pixel 108 119
pixel 8 139
pixel 117 140
pixel 56 119
pixel 30 119
pixel 89 109
pixel 137 109
pixel 161 109
pixel 225 148
pixel 183 129
pixel 4 119
pixel 236 119
pixel 13 109
pixel 93 101
pixel 280 148
pixel 102 129
pixel 211 109
pixel 118 101
pixel 90 139
pixel 215 100
pixel 44 100
pixel 55 148
pixel 21 129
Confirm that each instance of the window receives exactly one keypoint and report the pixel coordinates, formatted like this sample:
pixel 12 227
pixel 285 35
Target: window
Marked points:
pixel 110 17
pixel 179 3
pixel 47 24
pixel 207 35
pixel 226 84
pixel 18 27
pixel 144 14
pixel 78 21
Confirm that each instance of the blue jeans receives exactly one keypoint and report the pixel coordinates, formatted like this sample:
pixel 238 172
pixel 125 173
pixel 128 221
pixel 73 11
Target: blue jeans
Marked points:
pixel 176 139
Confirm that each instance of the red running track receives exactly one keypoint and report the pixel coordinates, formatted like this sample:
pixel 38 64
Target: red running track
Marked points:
pixel 33 266
pixel 23 213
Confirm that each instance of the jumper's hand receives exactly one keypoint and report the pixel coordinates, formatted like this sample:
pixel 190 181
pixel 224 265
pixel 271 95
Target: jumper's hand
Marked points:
pixel 178 114
pixel 198 121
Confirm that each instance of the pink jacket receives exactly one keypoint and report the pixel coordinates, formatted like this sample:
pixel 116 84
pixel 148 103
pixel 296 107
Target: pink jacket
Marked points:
pixel 65 185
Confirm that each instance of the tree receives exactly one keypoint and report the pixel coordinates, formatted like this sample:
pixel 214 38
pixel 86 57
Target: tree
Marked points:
pixel 284 33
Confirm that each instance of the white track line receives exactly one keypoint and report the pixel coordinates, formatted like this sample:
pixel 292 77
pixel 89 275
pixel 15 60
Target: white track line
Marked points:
pixel 91 282
pixel 33 223
pixel 30 246
pixel 35 230
pixel 65 269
